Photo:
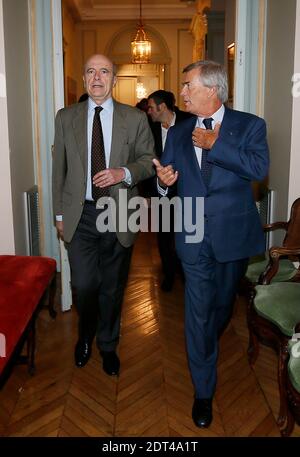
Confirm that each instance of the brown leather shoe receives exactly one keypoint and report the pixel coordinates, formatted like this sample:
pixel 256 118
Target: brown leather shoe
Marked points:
pixel 111 362
pixel 202 412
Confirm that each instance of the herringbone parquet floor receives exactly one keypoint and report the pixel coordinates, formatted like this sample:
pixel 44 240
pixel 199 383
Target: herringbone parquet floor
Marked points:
pixel 153 395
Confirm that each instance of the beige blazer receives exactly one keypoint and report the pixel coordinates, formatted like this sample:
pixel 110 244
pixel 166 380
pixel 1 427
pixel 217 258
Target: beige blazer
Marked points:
pixel 132 147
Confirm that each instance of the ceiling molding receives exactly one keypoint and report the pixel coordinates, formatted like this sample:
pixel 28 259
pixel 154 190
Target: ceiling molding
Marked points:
pixel 89 11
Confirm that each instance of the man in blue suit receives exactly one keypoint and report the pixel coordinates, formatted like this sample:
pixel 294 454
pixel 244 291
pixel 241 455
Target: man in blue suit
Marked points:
pixel 214 156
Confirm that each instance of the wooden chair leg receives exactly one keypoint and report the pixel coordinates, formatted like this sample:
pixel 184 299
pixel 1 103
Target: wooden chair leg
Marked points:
pixel 289 424
pixel 52 291
pixel 48 298
pixel 253 346
pixel 31 344
pixel 282 380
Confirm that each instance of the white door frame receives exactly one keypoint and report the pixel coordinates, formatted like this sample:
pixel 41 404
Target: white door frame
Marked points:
pixel 58 82
pixel 249 79
pixel 250 36
pixel 48 97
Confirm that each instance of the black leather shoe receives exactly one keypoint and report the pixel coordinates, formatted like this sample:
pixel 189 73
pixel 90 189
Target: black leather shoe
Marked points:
pixel 111 362
pixel 167 285
pixel 83 351
pixel 202 412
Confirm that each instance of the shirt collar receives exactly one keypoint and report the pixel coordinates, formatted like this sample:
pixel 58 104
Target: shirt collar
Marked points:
pixel 217 116
pixel 173 119
pixel 172 122
pixel 107 105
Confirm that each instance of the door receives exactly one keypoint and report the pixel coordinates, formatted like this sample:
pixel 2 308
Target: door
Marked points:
pixel 125 90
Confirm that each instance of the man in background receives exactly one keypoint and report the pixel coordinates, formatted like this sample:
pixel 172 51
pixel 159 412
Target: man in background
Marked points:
pixel 164 114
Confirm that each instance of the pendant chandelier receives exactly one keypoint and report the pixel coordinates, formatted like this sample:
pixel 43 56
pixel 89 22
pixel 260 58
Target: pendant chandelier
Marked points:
pixel 140 46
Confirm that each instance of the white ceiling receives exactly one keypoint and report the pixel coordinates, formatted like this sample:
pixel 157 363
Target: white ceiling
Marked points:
pixel 91 10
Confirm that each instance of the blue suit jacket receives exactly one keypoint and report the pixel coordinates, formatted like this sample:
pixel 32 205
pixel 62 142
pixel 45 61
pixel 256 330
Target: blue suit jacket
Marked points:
pixel 239 156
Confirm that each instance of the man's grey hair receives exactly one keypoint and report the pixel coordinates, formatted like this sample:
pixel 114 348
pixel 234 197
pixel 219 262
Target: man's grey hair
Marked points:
pixel 211 74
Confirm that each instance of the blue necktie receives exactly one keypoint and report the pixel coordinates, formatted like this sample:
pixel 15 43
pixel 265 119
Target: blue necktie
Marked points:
pixel 206 166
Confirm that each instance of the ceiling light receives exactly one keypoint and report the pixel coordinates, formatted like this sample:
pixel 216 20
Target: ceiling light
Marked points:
pixel 141 46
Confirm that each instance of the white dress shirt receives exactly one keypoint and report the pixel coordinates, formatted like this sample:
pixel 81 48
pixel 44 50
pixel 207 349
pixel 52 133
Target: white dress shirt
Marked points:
pixel 164 131
pixel 106 117
pixel 217 117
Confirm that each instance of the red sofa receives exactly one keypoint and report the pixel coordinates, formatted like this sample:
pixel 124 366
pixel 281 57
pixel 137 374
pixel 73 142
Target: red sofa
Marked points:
pixel 24 284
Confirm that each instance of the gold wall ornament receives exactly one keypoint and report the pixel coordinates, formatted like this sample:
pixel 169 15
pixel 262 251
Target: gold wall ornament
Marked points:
pixel 141 45
pixel 198 28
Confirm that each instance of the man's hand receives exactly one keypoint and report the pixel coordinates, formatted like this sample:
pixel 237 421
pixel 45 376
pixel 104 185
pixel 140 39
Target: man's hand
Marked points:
pixel 108 177
pixel 205 138
pixel 167 176
pixel 60 229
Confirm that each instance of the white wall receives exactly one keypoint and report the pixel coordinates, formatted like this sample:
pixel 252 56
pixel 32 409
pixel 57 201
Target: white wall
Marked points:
pixel 294 182
pixel 7 244
pixel 280 51
pixel 18 81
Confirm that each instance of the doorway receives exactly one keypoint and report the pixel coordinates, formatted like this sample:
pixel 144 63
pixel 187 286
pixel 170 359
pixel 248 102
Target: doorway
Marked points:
pixel 137 79
pixel 136 82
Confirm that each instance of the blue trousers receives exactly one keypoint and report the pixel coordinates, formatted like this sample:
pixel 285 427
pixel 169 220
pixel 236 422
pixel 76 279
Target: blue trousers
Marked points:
pixel 210 289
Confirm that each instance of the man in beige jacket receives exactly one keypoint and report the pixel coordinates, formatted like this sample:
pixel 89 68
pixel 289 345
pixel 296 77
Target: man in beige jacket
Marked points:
pixel 99 260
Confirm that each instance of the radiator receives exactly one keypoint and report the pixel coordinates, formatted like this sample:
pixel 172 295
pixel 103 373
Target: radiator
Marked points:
pixel 265 208
pixel 32 218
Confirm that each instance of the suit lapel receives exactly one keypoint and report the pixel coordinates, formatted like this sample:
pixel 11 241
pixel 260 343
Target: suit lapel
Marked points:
pixel 230 128
pixel 119 136
pixel 156 130
pixel 230 131
pixel 80 132
pixel 189 150
pixel 230 124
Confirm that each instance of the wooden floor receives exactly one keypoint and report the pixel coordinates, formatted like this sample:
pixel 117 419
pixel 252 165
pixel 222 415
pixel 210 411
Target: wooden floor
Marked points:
pixel 153 395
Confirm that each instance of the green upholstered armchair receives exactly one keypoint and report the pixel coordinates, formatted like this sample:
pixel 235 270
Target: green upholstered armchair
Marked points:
pixel 293 385
pixel 272 314
pixel 274 307
pixel 285 269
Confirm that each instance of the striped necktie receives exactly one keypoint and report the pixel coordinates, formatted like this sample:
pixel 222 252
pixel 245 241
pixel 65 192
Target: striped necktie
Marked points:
pixel 98 162
pixel 205 165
